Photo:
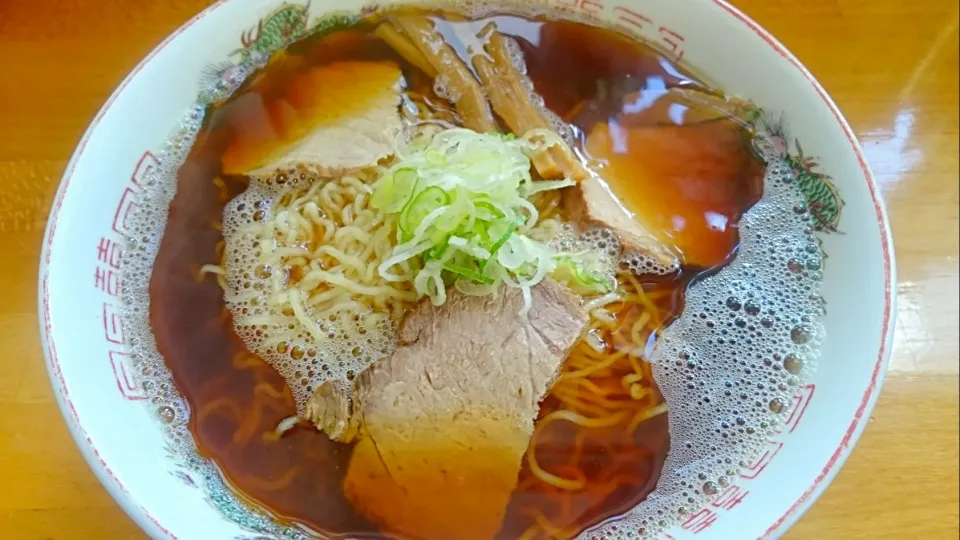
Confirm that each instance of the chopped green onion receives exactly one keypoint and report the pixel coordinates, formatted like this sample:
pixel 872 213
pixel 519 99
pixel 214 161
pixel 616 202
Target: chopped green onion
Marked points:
pixel 394 190
pixel 462 204
pixel 421 205
pixel 503 239
pixel 469 274
pixel 584 273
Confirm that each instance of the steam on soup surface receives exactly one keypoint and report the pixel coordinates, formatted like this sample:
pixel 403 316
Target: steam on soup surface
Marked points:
pixel 414 267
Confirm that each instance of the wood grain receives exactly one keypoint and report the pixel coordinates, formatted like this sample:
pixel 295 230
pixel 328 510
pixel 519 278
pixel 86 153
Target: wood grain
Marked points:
pixel 890 65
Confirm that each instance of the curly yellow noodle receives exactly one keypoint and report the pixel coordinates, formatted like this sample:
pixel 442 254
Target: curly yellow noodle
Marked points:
pixel 605 389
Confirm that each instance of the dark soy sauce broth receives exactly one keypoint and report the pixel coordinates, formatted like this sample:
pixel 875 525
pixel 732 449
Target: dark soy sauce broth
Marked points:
pixel 696 183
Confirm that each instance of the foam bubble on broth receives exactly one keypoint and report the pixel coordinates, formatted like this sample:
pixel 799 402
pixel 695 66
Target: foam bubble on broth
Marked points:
pixel 146 224
pixel 728 367
pixel 342 343
pixel 565 238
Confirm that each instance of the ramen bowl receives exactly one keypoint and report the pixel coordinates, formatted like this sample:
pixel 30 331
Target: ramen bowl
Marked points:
pixel 116 425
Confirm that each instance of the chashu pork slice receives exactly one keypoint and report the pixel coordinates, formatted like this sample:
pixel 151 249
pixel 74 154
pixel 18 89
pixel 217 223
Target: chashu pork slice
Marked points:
pixel 672 192
pixel 332 119
pixel 442 425
pixel 661 166
pixel 594 203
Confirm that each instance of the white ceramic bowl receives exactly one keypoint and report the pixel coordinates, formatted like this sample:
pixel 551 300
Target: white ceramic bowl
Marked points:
pixel 88 360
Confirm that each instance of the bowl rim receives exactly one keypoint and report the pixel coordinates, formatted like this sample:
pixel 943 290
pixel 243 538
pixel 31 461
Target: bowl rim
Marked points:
pixel 146 521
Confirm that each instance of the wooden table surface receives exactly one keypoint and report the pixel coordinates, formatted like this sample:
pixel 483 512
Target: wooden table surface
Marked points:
pixel 891 66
